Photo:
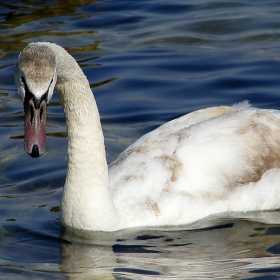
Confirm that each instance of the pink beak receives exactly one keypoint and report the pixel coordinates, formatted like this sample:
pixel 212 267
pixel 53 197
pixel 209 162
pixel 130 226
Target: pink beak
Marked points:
pixel 35 128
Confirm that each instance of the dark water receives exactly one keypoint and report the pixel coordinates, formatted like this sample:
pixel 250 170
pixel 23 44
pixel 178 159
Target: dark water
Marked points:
pixel 148 62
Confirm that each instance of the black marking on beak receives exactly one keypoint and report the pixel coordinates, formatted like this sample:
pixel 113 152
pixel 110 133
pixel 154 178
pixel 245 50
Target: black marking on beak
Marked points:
pixel 35 122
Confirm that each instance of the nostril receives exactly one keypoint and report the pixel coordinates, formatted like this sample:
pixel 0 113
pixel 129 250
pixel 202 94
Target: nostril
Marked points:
pixel 31 114
pixel 41 113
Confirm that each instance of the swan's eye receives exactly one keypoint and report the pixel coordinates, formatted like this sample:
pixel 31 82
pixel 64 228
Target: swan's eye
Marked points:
pixel 52 81
pixel 23 80
pixel 24 84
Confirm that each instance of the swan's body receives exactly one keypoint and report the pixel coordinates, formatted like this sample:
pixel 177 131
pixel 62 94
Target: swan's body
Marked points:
pixel 210 161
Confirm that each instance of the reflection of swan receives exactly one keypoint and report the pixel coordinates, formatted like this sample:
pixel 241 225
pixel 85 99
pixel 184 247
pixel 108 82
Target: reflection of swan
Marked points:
pixel 210 161
pixel 234 249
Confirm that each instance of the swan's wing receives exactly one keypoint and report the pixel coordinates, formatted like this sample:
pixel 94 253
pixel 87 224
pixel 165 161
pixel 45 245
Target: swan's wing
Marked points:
pixel 204 156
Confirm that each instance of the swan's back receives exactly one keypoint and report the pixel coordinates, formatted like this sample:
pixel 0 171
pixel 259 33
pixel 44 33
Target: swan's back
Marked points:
pixel 210 161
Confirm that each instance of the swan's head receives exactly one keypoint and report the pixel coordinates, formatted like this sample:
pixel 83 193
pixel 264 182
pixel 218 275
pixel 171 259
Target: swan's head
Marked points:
pixel 35 78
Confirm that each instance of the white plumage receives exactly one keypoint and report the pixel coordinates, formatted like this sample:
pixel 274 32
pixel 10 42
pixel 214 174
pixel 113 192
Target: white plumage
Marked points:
pixel 212 161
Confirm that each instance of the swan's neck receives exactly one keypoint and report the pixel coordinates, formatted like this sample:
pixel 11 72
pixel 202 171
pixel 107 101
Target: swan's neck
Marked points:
pixel 87 200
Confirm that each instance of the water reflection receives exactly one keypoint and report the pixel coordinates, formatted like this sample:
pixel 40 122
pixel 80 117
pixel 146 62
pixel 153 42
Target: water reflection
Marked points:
pixel 27 19
pixel 246 251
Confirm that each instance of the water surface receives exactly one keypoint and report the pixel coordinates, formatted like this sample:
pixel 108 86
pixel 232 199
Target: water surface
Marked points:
pixel 147 62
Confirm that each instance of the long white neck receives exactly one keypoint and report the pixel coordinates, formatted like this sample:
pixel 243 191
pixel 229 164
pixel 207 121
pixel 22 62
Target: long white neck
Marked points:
pixel 87 200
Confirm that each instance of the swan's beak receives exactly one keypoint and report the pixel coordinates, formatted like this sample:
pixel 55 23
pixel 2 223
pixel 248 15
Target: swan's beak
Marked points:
pixel 35 128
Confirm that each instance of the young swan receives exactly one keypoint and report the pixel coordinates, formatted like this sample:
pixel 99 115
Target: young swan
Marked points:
pixel 210 161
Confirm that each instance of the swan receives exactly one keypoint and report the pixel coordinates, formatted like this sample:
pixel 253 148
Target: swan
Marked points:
pixel 215 160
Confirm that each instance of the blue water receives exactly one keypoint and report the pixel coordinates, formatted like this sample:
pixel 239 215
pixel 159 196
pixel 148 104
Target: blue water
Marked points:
pixel 148 62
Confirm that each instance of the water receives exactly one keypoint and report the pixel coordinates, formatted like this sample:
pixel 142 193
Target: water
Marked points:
pixel 147 62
